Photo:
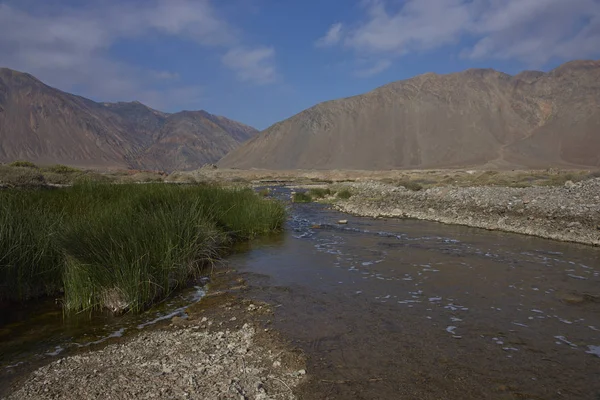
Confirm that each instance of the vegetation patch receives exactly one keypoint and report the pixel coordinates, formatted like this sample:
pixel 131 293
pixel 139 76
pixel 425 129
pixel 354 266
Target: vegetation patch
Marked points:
pixel 121 246
pixel 21 176
pixel 301 197
pixel 319 193
pixel 23 164
pixel 344 194
pixel 63 169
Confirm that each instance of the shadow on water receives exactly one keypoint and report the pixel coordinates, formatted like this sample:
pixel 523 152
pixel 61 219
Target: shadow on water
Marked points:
pixel 414 309
pixel 37 331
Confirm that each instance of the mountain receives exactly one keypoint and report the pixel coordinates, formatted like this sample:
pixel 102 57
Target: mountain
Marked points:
pixel 471 118
pixel 41 124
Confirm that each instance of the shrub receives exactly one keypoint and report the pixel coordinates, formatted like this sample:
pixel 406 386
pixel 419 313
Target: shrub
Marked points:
pixel 58 179
pixel 301 197
pixel 21 176
pixel 23 164
pixel 344 194
pixel 62 169
pixel 319 193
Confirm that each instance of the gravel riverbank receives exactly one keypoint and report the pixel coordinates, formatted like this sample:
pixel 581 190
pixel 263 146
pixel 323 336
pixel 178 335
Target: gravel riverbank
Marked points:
pixel 221 351
pixel 567 213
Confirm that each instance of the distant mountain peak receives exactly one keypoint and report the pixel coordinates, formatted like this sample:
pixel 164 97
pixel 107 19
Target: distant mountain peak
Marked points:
pixel 471 118
pixel 45 125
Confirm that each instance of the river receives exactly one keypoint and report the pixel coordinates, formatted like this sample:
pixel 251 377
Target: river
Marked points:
pixel 392 309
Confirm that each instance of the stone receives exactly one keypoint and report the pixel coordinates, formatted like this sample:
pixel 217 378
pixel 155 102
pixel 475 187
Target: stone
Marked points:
pixel 569 184
pixel 343 221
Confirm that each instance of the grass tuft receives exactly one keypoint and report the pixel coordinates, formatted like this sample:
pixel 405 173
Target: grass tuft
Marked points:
pixel 63 169
pixel 344 194
pixel 319 193
pixel 121 247
pixel 301 197
pixel 23 164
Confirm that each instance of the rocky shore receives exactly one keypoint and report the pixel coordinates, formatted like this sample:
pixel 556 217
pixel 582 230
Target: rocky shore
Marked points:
pixel 220 352
pixel 568 213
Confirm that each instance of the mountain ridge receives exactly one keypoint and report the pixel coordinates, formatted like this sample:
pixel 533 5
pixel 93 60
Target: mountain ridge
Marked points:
pixel 471 118
pixel 46 125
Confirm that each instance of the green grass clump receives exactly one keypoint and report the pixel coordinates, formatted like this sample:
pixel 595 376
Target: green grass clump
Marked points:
pixel 344 194
pixel 121 246
pixel 21 176
pixel 62 169
pixel 301 197
pixel 319 193
pixel 23 164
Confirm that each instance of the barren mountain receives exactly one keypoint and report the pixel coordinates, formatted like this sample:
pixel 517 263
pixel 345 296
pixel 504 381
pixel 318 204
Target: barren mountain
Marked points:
pixel 45 125
pixel 472 118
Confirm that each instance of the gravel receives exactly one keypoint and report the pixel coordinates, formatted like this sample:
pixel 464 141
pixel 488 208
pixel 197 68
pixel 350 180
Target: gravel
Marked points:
pixel 567 213
pixel 178 363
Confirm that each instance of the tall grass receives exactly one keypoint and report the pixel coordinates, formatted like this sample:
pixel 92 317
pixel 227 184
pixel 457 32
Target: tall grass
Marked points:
pixel 121 246
pixel 301 197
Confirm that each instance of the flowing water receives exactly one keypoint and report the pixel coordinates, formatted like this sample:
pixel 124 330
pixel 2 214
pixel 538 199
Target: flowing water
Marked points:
pixel 37 332
pixel 395 309
pixel 390 309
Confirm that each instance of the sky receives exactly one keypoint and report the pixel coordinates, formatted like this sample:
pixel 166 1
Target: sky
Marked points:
pixel 261 61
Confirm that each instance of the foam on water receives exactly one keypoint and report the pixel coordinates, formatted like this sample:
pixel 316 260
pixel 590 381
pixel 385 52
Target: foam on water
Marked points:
pixel 595 350
pixel 564 340
pixel 57 351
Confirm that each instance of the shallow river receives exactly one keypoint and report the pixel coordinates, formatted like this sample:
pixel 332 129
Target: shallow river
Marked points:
pixel 394 309
pixel 411 309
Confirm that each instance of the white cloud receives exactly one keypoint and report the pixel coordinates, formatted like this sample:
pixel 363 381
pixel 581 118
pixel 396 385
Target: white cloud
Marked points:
pixel 536 31
pixel 68 47
pixel 530 31
pixel 375 69
pixel 332 37
pixel 418 25
pixel 252 65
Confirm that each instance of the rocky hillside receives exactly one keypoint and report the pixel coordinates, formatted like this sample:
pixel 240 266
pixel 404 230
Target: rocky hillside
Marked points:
pixel 472 118
pixel 45 125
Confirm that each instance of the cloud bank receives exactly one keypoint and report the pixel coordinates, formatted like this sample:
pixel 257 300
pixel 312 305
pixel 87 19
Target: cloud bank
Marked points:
pixel 533 32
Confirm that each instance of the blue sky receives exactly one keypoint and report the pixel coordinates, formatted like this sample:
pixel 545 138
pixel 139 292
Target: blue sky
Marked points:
pixel 261 61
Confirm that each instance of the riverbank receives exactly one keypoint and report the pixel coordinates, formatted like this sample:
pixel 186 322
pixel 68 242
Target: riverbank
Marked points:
pixel 223 349
pixel 121 247
pixel 570 212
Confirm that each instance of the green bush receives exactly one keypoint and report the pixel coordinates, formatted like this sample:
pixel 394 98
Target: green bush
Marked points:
pixel 21 176
pixel 301 197
pixel 62 169
pixel 59 179
pixel 23 164
pixel 344 194
pixel 121 246
pixel 319 193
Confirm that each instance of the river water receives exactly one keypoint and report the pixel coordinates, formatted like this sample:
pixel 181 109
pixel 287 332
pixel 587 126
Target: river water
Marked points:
pixel 395 309
pixel 391 309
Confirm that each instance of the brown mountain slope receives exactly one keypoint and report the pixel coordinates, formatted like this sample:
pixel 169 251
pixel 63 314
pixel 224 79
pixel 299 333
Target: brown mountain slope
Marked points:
pixel 45 125
pixel 474 117
pixel 190 139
